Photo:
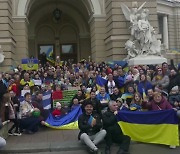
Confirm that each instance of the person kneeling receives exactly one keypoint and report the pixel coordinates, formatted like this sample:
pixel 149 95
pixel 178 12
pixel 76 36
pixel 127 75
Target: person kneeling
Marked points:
pixel 114 132
pixel 90 125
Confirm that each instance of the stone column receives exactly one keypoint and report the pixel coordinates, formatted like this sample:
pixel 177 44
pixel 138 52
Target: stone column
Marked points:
pixel 98 30
pixel 32 47
pixel 7 40
pixel 165 32
pixel 21 37
pixel 84 47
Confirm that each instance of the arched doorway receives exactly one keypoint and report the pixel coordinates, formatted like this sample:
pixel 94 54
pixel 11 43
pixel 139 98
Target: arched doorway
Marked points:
pixel 68 37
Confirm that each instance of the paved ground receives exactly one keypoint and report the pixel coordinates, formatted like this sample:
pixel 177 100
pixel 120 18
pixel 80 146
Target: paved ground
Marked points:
pixel 50 141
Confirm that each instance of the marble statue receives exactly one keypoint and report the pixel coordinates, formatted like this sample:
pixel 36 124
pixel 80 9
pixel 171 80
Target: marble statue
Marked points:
pixel 1 55
pixel 143 39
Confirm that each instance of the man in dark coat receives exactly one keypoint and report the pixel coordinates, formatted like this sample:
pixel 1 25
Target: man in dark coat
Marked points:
pixel 37 102
pixel 114 132
pixel 90 125
pixel 116 94
pixel 95 102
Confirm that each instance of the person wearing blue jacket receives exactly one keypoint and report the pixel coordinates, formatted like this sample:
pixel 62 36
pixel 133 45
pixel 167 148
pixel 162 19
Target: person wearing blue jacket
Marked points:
pixel 144 85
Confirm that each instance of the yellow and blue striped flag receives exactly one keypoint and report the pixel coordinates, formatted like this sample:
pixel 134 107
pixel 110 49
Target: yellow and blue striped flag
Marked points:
pixel 67 121
pixel 49 55
pixel 100 82
pixel 160 127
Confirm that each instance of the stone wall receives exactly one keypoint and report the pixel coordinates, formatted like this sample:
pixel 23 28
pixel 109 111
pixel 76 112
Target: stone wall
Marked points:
pixel 97 30
pixel 117 27
pixel 7 40
pixel 172 32
pixel 174 29
pixel 21 37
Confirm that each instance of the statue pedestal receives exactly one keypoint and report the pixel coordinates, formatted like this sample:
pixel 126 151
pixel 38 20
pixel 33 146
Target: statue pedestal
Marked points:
pixel 146 60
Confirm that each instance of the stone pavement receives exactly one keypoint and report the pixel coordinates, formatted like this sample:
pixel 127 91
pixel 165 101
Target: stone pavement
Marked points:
pixel 65 142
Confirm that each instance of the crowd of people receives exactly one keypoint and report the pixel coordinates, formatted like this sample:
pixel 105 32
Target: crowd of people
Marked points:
pixel 134 88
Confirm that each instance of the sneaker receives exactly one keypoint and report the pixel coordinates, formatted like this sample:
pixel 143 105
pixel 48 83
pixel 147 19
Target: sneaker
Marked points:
pixel 17 134
pixel 95 150
pixel 172 146
pixel 10 134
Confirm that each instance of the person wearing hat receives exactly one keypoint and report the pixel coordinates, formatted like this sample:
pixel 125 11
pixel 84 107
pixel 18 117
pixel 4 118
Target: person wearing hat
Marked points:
pixel 90 125
pixel 121 105
pixel 58 111
pixel 114 132
pixel 174 97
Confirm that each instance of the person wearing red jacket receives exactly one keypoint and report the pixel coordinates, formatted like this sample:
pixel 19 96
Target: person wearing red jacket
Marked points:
pixel 57 112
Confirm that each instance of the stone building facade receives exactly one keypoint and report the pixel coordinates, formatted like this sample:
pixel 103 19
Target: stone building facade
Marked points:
pixel 94 29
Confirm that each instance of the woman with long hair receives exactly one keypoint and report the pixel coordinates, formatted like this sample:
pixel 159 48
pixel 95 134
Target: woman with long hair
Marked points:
pixel 11 114
pixel 136 102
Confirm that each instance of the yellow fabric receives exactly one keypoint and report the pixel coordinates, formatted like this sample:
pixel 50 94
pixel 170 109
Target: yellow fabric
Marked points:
pixel 167 134
pixel 73 125
pixel 122 90
pixel 30 67
pixel 126 69
pixel 98 87
pixel 30 83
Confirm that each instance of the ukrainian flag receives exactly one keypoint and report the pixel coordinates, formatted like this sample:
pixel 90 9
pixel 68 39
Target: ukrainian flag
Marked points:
pixel 29 64
pixel 160 127
pixel 126 96
pixel 68 121
pixel 100 82
pixel 49 55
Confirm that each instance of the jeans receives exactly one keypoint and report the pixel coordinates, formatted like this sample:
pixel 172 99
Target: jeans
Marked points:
pixel 93 140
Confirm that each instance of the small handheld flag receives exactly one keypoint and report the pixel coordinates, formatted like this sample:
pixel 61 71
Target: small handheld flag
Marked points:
pixel 144 95
pixel 91 120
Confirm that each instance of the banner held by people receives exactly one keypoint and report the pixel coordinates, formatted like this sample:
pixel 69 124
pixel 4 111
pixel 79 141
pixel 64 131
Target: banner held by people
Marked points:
pixel 67 121
pixel 160 127
pixel 29 64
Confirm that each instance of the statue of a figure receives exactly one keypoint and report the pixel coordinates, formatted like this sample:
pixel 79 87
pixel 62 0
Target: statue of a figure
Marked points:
pixel 1 55
pixel 142 33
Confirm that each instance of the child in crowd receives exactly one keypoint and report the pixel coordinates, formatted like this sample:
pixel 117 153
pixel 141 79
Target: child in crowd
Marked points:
pixel 58 111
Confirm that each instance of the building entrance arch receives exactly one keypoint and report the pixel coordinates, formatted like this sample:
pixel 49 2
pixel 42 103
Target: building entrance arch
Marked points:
pixel 70 37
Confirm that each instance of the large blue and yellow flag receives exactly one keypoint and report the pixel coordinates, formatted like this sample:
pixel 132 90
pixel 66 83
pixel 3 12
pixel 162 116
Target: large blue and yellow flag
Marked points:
pixel 50 55
pixel 68 121
pixel 100 82
pixel 29 64
pixel 160 127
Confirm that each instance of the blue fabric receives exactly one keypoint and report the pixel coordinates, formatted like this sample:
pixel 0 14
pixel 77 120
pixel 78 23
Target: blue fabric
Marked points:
pixel 100 97
pixel 64 119
pixel 27 60
pixel 120 63
pixel 121 80
pixel 100 81
pixel 145 86
pixel 47 100
pixel 149 117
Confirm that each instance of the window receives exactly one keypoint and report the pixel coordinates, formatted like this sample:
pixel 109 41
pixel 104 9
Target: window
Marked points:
pixel 67 49
pixel 49 52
